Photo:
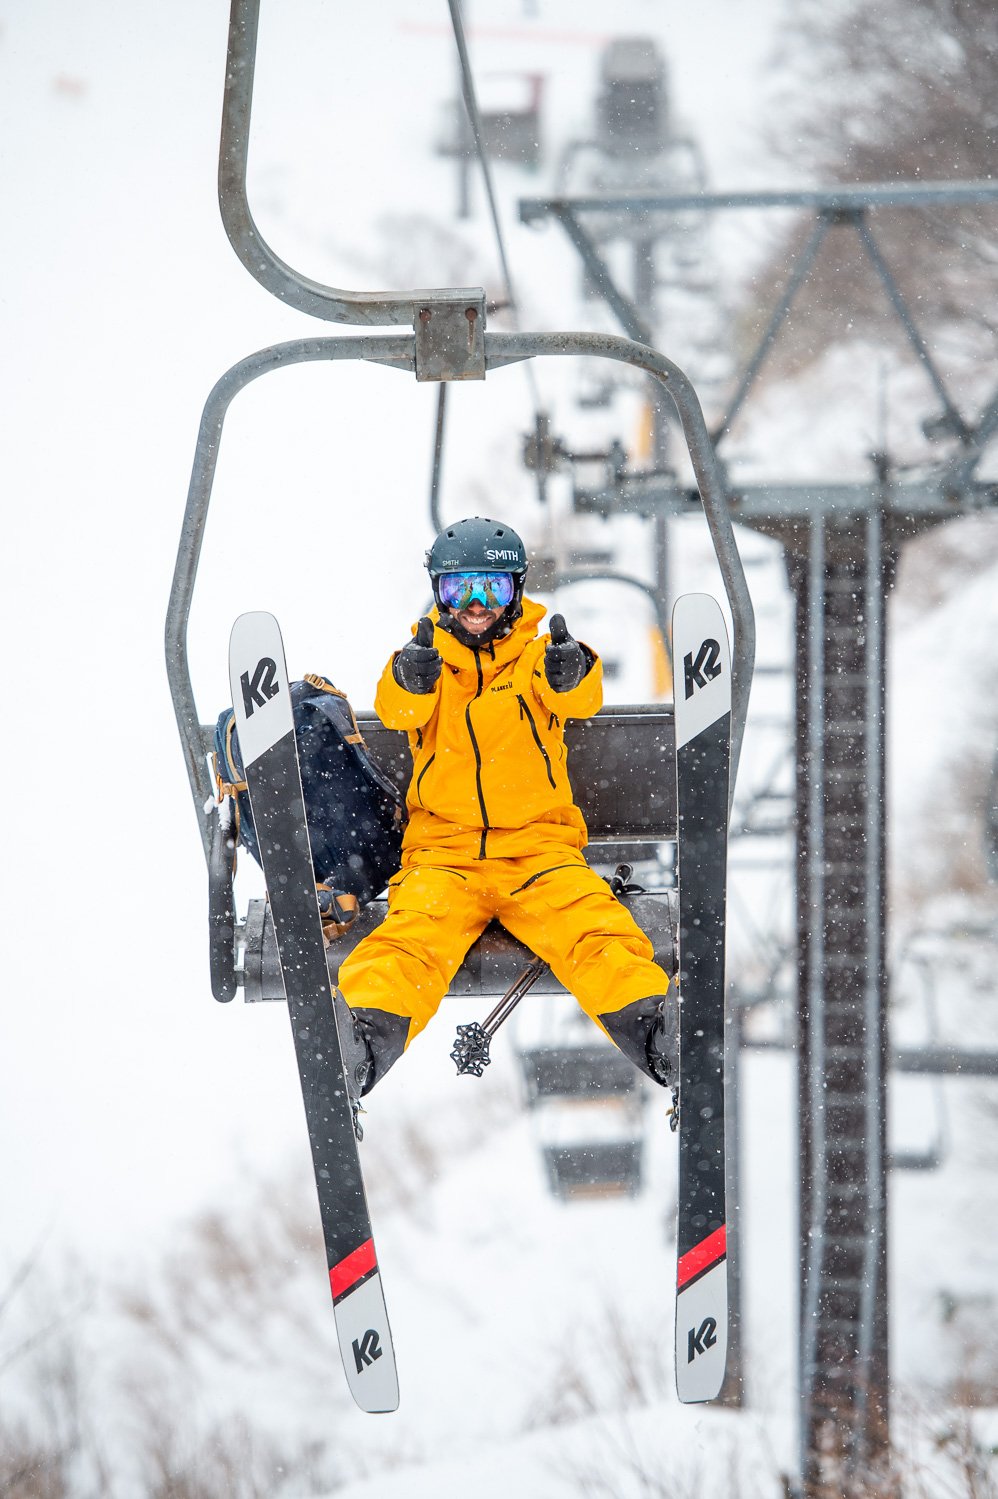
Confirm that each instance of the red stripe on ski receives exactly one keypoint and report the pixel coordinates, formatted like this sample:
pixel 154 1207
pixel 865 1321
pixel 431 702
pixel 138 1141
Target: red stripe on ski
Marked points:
pixel 358 1264
pixel 702 1256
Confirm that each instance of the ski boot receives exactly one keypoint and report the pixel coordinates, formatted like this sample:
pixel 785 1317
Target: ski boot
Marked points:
pixel 663 1053
pixel 662 1046
pixel 647 1031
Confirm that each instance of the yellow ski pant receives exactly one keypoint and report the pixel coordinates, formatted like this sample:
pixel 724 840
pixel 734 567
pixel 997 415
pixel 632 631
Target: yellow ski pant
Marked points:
pixel 442 900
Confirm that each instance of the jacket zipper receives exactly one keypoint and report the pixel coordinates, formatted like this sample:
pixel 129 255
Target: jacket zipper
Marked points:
pixel 537 738
pixel 478 758
pixel 419 781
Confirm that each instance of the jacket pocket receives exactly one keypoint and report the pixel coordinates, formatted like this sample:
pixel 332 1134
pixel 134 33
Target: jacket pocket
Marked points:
pixel 564 885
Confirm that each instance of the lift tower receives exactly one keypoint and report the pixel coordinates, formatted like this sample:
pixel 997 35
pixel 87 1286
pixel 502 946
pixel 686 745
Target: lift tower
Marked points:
pixel 841 544
pixel 840 570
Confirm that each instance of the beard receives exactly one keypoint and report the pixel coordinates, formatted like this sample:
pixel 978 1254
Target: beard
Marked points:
pixel 496 630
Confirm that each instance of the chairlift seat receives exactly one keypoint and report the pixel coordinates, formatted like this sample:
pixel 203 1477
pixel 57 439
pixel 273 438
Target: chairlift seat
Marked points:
pixel 620 763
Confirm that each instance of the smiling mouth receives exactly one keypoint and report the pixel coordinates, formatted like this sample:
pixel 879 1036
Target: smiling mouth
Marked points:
pixel 475 621
pixel 478 621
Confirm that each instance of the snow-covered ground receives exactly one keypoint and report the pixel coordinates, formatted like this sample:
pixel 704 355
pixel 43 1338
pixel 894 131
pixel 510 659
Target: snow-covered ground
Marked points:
pixel 533 1336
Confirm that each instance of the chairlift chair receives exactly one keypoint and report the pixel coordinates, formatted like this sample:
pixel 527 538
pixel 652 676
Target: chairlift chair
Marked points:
pixel 622 762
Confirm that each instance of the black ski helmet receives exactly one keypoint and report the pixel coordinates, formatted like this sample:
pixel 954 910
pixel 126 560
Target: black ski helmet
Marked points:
pixel 478 545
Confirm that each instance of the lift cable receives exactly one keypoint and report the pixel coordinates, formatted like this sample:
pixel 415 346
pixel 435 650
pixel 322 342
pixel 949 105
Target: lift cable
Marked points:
pixel 475 120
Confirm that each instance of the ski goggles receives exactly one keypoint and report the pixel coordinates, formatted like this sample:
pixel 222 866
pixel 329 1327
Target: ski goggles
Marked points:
pixel 493 590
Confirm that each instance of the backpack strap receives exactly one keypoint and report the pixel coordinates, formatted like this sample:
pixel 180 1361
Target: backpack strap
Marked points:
pixel 238 783
pixel 314 680
pixel 344 720
pixel 232 783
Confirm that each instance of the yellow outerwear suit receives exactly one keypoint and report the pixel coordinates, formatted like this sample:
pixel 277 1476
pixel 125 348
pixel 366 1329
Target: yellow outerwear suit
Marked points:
pixel 494 832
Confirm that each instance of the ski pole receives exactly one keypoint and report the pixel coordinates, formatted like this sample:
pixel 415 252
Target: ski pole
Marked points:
pixel 471 1046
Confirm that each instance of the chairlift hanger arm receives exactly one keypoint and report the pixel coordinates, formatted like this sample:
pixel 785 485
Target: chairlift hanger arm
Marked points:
pixel 290 286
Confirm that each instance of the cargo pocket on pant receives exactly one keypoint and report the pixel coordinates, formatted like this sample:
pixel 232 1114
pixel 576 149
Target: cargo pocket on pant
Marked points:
pixel 426 890
pixel 565 885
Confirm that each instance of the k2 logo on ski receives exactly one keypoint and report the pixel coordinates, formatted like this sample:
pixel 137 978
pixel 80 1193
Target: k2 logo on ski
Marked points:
pixel 261 687
pixel 367 1350
pixel 700 1338
pixel 707 666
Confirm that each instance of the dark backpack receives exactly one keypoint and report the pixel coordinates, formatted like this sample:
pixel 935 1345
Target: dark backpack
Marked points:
pixel 355 812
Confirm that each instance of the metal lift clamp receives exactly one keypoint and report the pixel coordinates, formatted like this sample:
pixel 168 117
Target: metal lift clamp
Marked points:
pixel 450 336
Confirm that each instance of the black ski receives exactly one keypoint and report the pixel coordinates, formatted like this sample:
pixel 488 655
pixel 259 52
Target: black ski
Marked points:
pixel 702 668
pixel 262 704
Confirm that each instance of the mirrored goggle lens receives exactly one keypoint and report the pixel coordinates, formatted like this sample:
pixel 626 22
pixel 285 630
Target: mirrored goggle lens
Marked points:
pixel 493 590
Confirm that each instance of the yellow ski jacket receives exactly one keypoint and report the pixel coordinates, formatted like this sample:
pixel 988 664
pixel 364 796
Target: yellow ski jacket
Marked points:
pixel 488 746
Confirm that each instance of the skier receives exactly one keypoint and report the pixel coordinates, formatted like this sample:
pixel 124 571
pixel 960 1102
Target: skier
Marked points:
pixel 493 829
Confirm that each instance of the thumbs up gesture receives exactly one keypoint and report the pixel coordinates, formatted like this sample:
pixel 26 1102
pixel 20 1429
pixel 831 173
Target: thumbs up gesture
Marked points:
pixel 418 664
pixel 564 658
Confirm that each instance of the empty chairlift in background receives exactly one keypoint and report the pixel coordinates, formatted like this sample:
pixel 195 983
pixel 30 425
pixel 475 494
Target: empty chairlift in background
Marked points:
pixel 632 109
pixel 510 106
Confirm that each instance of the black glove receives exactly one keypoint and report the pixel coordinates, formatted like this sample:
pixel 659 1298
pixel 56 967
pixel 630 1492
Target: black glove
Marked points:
pixel 565 661
pixel 418 664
